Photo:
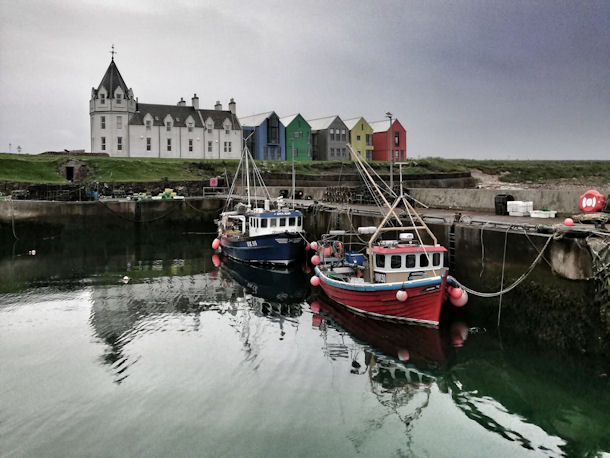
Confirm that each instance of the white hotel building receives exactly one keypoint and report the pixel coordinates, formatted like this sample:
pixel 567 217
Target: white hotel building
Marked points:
pixel 123 127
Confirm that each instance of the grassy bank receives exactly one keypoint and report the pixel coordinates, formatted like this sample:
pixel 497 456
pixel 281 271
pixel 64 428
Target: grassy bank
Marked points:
pixel 46 169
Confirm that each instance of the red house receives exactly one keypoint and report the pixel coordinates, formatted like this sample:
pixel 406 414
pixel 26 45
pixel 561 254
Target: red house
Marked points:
pixel 387 140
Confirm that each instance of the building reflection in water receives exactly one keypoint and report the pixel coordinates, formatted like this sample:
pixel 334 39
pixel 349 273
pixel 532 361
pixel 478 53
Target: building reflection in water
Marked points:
pixel 123 311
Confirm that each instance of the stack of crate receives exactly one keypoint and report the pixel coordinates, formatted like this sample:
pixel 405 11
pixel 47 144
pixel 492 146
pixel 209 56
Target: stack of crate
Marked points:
pixel 520 208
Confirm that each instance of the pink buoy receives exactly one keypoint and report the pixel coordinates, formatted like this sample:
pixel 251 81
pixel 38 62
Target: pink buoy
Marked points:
pixel 314 246
pixel 568 222
pixel 401 295
pixel 315 306
pixel 315 259
pixel 460 301
pixel 315 281
pixel 308 246
pixel 403 354
pixel 215 244
pixel 456 293
pixel 216 260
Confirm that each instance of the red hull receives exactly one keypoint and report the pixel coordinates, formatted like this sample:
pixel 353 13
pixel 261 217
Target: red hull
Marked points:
pixel 423 304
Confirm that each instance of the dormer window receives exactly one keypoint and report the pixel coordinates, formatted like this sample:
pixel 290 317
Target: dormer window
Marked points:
pixel 148 124
pixel 168 126
pixel 119 97
pixel 190 126
pixel 102 99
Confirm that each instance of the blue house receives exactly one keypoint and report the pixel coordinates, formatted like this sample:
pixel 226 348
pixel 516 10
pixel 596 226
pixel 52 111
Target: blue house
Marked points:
pixel 268 140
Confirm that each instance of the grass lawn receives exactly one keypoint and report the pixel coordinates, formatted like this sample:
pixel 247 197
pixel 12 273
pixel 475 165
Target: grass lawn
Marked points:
pixel 45 169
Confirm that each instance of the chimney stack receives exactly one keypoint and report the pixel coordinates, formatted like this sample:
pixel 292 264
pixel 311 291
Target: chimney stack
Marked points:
pixel 218 106
pixel 181 103
pixel 232 106
pixel 195 102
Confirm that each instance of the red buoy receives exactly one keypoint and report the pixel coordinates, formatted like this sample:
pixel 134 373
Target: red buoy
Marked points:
pixel 215 260
pixel 315 281
pixel 315 259
pixel 215 244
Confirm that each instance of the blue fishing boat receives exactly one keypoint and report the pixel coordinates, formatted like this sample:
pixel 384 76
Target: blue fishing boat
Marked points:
pixel 259 235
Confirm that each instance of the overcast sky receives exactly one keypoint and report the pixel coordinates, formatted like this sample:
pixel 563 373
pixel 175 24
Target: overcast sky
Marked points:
pixel 468 79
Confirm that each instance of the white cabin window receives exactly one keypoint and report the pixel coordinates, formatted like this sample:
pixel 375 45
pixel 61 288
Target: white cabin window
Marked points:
pixel 264 223
pixel 395 261
pixel 423 260
pixel 380 260
pixel 291 221
pixel 272 222
pixel 436 259
pixel 282 222
pixel 410 261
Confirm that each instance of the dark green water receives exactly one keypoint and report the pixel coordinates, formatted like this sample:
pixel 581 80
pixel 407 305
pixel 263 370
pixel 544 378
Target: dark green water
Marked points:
pixel 189 359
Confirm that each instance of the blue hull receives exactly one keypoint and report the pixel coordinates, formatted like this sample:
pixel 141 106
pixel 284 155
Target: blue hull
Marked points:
pixel 281 249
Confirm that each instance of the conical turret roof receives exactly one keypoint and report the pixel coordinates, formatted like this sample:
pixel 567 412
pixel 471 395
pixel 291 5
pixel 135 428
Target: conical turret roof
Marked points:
pixel 113 79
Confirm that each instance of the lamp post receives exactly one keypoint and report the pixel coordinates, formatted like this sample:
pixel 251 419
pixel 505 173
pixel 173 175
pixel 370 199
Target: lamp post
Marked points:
pixel 389 115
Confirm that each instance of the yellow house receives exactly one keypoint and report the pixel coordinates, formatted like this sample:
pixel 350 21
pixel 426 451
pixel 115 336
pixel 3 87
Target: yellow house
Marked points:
pixel 361 137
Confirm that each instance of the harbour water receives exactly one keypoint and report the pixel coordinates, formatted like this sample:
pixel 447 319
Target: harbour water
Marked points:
pixel 189 358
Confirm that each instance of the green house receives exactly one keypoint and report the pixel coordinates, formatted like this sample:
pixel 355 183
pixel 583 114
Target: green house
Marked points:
pixel 298 137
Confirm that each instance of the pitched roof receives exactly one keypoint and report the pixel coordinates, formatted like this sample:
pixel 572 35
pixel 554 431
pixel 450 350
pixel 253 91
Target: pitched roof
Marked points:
pixel 180 114
pixel 286 120
pixel 113 79
pixel 380 126
pixel 322 123
pixel 255 120
pixel 351 123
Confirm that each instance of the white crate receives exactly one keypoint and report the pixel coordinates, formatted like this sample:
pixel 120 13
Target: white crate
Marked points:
pixel 519 208
pixel 543 213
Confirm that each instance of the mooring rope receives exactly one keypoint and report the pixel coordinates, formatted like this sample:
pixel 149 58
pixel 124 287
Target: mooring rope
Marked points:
pixel 515 284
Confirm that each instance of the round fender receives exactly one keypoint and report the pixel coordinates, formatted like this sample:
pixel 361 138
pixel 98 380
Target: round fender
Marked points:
pixel 591 201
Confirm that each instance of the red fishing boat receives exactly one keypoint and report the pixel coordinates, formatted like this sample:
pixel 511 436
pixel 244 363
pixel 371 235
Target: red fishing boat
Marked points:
pixel 400 278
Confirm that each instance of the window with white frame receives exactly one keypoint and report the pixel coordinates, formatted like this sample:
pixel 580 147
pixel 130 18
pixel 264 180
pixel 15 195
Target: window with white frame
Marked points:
pixel 343 135
pixel 169 144
pixel 210 145
pixel 119 143
pixel 332 134
pixel 190 144
pixel 119 122
pixel 103 143
pixel 103 122
pixel 148 143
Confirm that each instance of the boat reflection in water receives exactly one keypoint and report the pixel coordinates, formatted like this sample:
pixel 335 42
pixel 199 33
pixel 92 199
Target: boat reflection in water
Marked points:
pixel 413 346
pixel 281 284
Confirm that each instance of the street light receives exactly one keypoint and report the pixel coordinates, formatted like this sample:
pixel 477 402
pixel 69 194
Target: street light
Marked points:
pixel 389 115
